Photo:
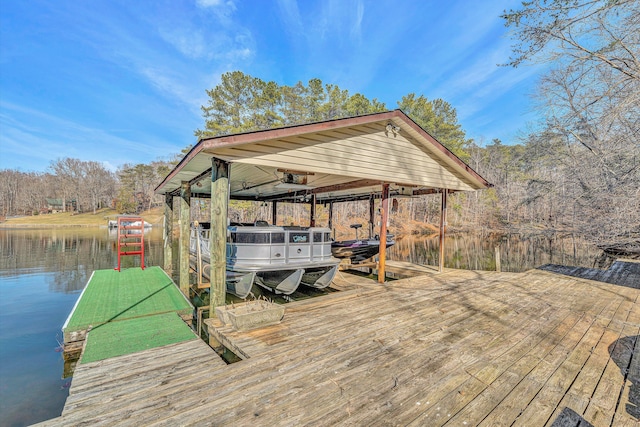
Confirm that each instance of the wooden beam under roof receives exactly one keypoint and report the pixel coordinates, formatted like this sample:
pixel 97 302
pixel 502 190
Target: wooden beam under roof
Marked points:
pixel 346 186
pixel 323 197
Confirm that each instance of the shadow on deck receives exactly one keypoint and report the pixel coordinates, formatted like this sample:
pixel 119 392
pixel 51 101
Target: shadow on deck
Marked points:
pixel 461 348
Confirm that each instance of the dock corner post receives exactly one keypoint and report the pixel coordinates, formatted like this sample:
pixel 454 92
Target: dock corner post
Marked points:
pixel 383 232
pixel 218 236
pixel 168 233
pixel 185 235
pixel 443 229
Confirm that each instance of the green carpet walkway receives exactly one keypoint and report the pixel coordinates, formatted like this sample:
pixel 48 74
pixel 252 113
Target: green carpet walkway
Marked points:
pixel 134 335
pixel 129 311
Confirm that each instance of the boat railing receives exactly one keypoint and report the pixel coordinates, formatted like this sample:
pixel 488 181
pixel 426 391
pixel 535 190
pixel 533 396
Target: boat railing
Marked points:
pixel 201 236
pixel 278 258
pixel 278 245
pixel 269 245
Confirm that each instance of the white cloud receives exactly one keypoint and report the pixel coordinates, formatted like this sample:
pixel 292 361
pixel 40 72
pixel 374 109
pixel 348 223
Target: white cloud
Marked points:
pixel 356 28
pixel 208 3
pixel 40 138
pixel 337 23
pixel 238 54
pixel 222 9
pixel 205 40
pixel 165 82
pixel 210 46
pixel 189 42
pixel 290 15
pixel 19 141
pixel 482 82
pixel 108 166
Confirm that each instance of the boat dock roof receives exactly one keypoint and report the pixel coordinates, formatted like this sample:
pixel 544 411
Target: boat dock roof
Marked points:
pixel 456 348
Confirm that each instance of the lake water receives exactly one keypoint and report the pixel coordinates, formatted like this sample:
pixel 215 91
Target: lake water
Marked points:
pixel 42 273
pixel 517 252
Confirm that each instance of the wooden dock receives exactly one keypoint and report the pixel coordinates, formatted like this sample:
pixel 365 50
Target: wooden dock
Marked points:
pixel 393 269
pixel 404 269
pixel 461 348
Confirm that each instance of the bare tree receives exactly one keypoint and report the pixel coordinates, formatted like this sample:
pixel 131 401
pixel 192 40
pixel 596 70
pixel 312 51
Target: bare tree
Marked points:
pixel 591 103
pixel 69 174
pixel 604 33
pixel 9 180
pixel 99 183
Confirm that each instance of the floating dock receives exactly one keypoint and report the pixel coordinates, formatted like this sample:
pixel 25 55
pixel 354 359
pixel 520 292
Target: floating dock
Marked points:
pixel 455 348
pixel 126 311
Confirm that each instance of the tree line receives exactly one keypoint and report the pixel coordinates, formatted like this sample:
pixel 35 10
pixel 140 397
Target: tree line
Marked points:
pixel 243 103
pixel 74 185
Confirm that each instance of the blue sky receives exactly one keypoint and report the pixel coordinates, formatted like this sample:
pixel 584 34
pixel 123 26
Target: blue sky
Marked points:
pixel 123 81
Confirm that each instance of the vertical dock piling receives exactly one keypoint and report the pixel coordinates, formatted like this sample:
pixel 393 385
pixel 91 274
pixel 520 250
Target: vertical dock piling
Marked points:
pixel 185 219
pixel 218 239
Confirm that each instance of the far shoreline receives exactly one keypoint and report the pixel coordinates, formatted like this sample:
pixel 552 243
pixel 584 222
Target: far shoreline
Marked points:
pixel 14 226
pixel 70 220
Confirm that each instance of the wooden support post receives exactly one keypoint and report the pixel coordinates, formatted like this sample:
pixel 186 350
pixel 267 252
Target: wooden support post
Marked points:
pixel 185 235
pixel 372 216
pixel 497 252
pixel 443 229
pixel 168 233
pixel 274 213
pixel 312 220
pixel 198 258
pixel 384 217
pixel 218 236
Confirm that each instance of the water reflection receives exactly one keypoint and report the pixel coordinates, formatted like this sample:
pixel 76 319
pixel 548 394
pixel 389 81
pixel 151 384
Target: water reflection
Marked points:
pixel 477 251
pixel 71 254
pixel 42 272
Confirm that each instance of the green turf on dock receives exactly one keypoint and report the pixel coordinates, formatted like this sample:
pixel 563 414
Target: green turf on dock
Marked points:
pixel 115 296
pixel 133 335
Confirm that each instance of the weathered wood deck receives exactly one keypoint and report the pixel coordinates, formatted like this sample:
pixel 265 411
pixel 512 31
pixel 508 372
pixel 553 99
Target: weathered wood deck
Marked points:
pixel 459 348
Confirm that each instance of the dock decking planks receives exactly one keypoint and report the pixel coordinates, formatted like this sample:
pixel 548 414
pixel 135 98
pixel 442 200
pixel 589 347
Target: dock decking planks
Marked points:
pixel 462 347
